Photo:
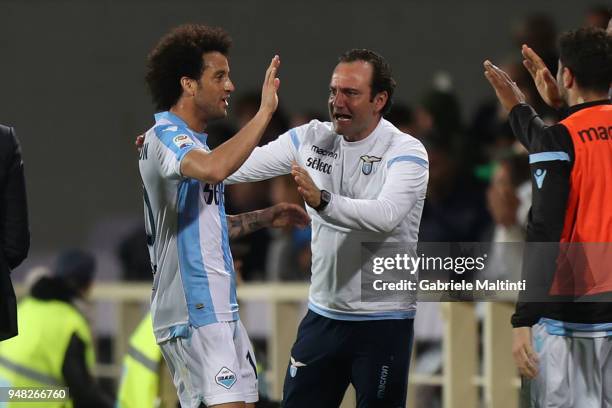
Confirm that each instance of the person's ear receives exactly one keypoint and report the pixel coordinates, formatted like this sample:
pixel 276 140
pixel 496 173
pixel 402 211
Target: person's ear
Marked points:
pixel 568 78
pixel 380 100
pixel 189 86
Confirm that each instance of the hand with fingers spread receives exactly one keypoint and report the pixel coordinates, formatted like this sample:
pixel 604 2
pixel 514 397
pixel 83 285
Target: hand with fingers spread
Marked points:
pixel 269 98
pixel 306 187
pixel 544 80
pixel 524 355
pixel 507 91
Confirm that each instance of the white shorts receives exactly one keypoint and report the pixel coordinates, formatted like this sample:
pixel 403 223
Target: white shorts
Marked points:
pixel 214 365
pixel 573 372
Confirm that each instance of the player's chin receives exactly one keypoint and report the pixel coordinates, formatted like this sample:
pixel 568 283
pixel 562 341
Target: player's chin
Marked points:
pixel 340 128
pixel 220 114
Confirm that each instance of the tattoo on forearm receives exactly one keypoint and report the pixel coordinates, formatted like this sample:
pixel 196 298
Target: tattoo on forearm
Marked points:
pixel 243 224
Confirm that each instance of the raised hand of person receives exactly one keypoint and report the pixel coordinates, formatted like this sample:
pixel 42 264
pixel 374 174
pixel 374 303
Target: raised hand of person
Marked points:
pixel 543 79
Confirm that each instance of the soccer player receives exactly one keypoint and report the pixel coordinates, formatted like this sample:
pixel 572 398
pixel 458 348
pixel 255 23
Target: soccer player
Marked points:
pixel 363 181
pixel 194 307
pixel 566 348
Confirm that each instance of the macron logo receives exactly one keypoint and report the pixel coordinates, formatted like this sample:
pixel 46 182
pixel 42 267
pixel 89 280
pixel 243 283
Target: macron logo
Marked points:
pixel 171 129
pixel 539 177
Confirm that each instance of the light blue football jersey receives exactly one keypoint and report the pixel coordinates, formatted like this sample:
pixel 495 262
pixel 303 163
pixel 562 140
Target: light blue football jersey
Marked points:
pixel 194 282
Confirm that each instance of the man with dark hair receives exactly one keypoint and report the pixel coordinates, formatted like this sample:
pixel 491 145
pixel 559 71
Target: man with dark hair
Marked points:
pixel 178 55
pixel 55 347
pixel 363 181
pixel 382 79
pixel 194 308
pixel 571 164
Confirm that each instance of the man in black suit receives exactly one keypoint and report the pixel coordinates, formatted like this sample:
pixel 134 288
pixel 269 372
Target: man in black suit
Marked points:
pixel 14 229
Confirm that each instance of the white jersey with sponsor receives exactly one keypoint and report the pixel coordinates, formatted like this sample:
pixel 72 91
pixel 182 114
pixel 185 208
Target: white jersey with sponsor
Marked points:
pixel 194 282
pixel 378 187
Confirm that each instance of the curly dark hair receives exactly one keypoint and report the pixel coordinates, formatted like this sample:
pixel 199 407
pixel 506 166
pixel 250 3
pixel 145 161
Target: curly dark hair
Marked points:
pixel 587 52
pixel 382 79
pixel 178 54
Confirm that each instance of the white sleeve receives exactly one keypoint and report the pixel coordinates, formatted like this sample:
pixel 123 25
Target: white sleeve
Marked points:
pixel 405 185
pixel 175 144
pixel 271 160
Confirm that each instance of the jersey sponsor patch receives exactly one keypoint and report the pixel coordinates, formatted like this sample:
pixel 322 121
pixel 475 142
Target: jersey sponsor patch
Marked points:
pixel 182 141
pixel 319 165
pixel 225 378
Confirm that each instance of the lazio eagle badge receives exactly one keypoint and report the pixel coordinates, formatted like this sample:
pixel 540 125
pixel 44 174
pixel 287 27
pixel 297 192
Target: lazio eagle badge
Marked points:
pixel 368 163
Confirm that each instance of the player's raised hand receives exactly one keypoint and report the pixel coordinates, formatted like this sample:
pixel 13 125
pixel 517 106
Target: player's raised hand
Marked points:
pixel 269 97
pixel 306 187
pixel 544 81
pixel 507 91
pixel 524 355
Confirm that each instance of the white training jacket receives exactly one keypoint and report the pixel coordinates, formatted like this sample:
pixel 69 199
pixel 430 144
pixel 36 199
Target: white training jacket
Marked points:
pixel 378 188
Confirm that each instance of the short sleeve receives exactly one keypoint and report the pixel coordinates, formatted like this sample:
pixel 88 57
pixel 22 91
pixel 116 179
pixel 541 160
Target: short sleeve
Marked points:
pixel 175 143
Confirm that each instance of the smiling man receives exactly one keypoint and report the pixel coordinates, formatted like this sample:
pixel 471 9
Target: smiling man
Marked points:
pixel 363 181
pixel 193 307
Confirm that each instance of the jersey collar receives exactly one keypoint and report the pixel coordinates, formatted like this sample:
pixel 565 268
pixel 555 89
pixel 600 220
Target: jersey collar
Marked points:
pixel 576 108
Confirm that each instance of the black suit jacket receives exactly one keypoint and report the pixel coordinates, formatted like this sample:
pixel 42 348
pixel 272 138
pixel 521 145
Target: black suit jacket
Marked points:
pixel 14 229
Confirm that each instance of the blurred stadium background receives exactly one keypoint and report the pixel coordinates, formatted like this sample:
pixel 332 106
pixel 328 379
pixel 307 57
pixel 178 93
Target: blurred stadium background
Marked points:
pixel 72 85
